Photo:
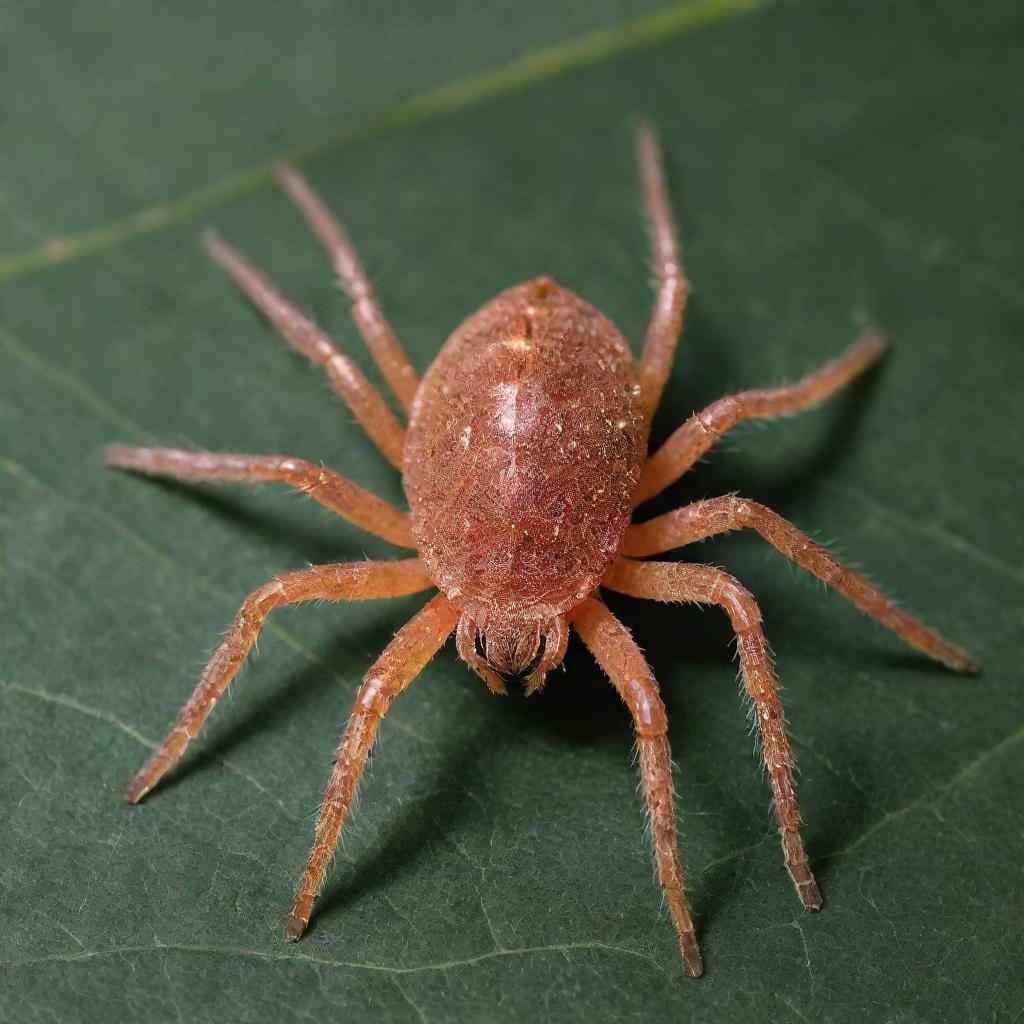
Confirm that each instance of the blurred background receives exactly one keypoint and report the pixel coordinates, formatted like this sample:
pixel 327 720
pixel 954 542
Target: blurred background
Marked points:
pixel 831 164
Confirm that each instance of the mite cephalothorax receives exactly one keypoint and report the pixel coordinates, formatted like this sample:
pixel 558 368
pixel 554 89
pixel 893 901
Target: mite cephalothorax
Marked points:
pixel 523 460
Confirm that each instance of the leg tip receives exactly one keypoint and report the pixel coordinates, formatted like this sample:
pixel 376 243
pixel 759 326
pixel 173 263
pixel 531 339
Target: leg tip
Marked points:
pixel 135 790
pixel 810 897
pixel 295 928
pixel 299 191
pixel 965 665
pixel 875 339
pixel 118 456
pixel 288 177
pixel 692 960
pixel 216 248
pixel 800 870
pixel 870 345
pixel 642 129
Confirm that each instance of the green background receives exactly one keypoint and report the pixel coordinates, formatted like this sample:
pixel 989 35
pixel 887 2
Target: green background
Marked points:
pixel 831 163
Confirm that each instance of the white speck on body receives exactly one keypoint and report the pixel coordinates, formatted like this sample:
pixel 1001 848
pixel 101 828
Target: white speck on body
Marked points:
pixel 507 394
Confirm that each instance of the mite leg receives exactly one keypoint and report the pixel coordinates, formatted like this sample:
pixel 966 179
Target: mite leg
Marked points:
pixel 704 429
pixel 678 581
pixel 348 380
pixel 718 515
pixel 378 334
pixel 356 581
pixel 617 653
pixel 338 494
pixel 667 316
pixel 403 659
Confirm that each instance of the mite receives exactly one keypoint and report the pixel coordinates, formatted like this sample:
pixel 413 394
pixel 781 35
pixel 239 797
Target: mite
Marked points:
pixel 524 458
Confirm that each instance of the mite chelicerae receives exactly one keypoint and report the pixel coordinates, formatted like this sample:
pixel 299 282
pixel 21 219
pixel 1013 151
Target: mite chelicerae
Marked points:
pixel 524 457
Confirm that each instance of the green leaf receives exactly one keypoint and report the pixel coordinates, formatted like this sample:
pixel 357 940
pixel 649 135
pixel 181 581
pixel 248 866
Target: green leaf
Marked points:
pixel 831 163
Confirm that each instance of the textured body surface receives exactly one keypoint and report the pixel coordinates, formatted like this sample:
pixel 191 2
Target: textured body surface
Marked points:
pixel 525 445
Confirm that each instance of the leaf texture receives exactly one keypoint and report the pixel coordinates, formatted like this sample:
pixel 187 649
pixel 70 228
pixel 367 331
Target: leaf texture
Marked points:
pixel 831 164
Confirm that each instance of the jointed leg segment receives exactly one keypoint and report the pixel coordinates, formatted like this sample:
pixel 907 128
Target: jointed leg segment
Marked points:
pixel 617 653
pixel 704 519
pixel 348 380
pixel 380 339
pixel 356 581
pixel 704 429
pixel 673 581
pixel 334 491
pixel 667 317
pixel 414 645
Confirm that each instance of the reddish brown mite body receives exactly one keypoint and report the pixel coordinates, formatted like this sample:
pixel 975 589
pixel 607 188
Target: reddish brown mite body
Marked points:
pixel 524 457
pixel 526 442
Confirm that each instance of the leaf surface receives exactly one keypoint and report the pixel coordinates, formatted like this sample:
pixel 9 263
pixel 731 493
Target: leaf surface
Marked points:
pixel 831 163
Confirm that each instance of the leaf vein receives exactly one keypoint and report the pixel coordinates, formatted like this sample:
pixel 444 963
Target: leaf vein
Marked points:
pixel 65 701
pixel 966 772
pixel 897 234
pixel 933 531
pixel 584 50
pixel 358 965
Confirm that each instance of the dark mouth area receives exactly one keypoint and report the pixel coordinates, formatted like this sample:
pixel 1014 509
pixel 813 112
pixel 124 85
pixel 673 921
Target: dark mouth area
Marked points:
pixel 512 675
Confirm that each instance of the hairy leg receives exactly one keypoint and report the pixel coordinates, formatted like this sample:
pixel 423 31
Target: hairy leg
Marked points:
pixel 403 659
pixel 355 581
pixel 348 380
pixel 378 334
pixel 704 429
pixel 706 518
pixel 617 653
pixel 677 581
pixel 338 494
pixel 667 316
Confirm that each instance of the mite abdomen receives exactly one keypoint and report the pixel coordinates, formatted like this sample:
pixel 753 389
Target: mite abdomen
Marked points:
pixel 525 444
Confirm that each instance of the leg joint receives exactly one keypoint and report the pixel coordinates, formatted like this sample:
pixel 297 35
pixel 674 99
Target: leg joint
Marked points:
pixel 375 695
pixel 262 600
pixel 738 603
pixel 646 706
pixel 721 415
pixel 296 472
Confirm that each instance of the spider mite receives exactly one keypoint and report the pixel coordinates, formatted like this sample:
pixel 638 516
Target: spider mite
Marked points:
pixel 524 457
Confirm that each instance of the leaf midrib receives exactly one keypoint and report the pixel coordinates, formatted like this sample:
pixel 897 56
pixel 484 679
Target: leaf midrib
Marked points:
pixel 532 68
